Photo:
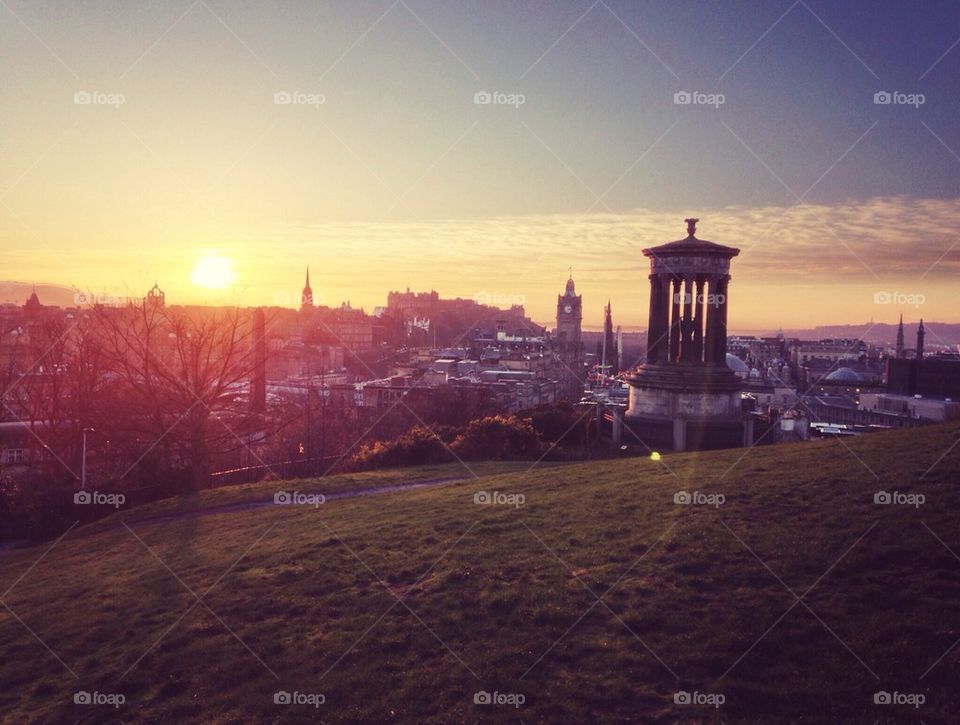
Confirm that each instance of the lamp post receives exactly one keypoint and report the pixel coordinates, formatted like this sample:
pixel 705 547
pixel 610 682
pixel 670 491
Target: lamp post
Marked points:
pixel 83 460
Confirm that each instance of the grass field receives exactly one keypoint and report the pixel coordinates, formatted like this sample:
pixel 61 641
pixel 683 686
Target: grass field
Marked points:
pixel 599 598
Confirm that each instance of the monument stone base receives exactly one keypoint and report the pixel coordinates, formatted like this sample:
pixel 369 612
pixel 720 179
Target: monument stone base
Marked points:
pixel 687 407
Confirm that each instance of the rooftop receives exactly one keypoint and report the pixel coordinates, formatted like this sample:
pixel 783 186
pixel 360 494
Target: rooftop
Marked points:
pixel 690 245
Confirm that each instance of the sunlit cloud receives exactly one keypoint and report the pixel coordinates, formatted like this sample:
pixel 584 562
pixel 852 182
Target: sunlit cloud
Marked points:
pixel 901 242
pixel 806 264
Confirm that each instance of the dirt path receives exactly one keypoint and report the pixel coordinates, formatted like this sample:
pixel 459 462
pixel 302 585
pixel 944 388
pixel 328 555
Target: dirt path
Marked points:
pixel 264 503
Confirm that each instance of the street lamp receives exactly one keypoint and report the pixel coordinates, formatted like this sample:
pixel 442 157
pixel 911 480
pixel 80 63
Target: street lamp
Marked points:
pixel 83 463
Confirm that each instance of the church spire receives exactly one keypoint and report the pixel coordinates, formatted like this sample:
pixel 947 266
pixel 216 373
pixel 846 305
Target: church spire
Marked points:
pixel 610 356
pixel 920 335
pixel 306 298
pixel 900 338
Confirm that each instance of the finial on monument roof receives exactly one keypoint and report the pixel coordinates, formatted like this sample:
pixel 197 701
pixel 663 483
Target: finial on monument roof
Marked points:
pixel 691 227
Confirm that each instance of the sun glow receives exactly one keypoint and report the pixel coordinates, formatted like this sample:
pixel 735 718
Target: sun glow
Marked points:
pixel 213 271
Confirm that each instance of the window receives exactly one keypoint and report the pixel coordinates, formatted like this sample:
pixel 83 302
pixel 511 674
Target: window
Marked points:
pixel 13 455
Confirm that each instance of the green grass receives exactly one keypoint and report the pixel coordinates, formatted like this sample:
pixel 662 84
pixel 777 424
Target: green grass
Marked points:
pixel 504 599
pixel 251 493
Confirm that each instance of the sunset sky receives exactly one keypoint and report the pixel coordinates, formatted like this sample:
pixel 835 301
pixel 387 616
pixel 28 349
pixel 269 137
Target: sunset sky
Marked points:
pixel 384 173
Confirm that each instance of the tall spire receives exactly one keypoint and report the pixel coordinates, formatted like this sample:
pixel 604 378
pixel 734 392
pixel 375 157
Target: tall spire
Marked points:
pixel 900 338
pixel 306 298
pixel 920 334
pixel 610 357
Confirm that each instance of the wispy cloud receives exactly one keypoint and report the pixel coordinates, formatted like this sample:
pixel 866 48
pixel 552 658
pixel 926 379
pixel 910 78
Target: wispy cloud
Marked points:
pixel 816 261
pixel 893 236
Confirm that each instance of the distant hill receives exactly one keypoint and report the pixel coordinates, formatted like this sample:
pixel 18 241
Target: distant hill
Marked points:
pixel 597 598
pixel 938 333
pixel 49 294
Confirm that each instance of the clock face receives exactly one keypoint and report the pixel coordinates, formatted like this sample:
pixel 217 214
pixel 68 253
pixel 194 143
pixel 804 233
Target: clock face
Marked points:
pixel 568 309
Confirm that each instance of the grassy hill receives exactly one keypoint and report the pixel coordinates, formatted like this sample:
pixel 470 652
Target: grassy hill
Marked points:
pixel 795 599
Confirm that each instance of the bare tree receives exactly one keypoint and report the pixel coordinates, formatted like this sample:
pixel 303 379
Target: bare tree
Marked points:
pixel 50 383
pixel 178 383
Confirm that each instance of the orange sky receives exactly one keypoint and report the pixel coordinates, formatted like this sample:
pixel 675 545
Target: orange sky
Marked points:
pixel 140 140
pixel 798 267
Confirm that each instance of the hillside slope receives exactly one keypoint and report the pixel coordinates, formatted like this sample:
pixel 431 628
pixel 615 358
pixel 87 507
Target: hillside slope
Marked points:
pixel 598 598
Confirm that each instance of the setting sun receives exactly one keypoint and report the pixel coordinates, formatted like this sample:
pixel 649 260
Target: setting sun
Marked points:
pixel 213 271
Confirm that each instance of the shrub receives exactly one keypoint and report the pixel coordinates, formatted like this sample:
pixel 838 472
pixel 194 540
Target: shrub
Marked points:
pixel 418 446
pixel 499 438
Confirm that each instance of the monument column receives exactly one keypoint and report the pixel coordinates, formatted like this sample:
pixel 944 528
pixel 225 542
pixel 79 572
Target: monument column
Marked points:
pixel 655 323
pixel 698 321
pixel 686 346
pixel 675 319
pixel 721 339
pixel 710 340
pixel 664 349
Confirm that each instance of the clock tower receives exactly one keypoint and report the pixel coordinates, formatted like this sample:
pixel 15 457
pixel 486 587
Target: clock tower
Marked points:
pixel 569 345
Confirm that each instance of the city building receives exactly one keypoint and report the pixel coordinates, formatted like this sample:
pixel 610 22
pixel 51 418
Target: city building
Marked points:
pixel 568 341
pixel 155 299
pixel 911 406
pixel 931 376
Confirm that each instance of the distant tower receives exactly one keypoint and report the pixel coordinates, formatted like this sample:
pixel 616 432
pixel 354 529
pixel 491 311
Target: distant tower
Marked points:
pixel 155 299
pixel 306 297
pixel 258 383
pixel 619 337
pixel 33 302
pixel 900 339
pixel 570 347
pixel 610 357
pixel 920 334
